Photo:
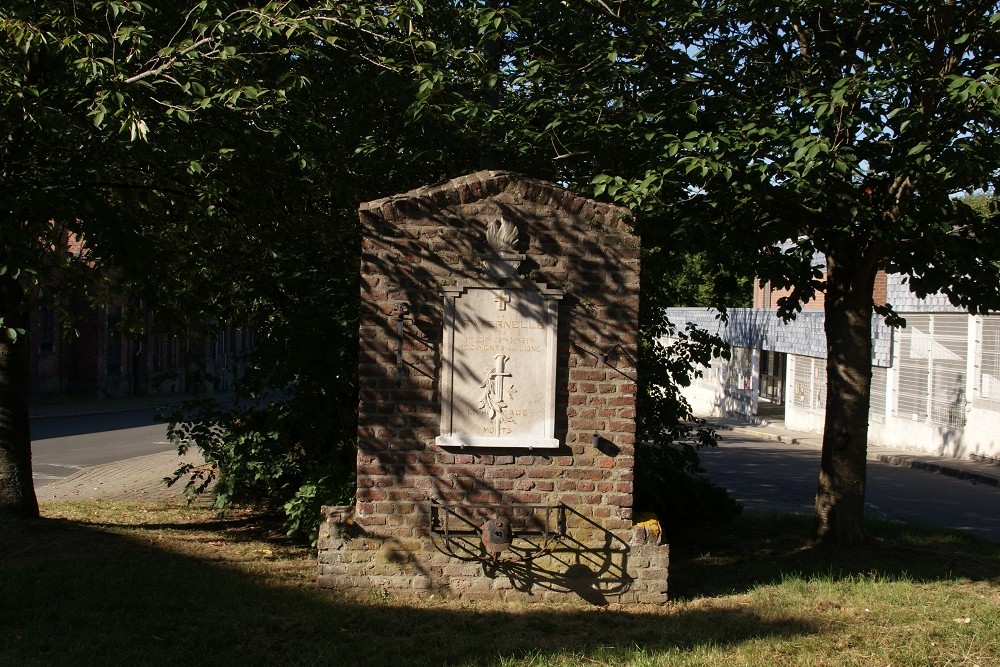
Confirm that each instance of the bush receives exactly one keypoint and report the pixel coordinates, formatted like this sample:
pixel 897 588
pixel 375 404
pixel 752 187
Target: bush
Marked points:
pixel 668 478
pixel 274 455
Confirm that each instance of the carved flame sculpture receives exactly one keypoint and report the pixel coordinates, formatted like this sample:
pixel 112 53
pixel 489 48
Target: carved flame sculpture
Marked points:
pixel 502 235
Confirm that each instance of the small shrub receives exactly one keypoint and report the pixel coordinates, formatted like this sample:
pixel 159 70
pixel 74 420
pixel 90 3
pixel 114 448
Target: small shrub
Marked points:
pixel 668 478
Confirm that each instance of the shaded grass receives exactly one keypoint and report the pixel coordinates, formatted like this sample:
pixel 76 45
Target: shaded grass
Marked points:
pixel 764 549
pixel 125 584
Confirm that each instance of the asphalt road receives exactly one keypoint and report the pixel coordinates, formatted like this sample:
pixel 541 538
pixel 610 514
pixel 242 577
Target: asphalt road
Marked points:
pixel 62 445
pixel 765 475
pixel 770 476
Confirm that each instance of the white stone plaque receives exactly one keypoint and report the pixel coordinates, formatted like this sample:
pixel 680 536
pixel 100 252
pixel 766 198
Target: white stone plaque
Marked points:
pixel 498 370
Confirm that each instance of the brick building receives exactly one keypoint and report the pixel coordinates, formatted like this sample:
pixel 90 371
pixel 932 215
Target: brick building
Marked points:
pixel 78 349
pixel 95 360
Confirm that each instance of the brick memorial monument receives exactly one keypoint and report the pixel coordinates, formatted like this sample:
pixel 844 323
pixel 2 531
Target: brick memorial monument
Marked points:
pixel 497 374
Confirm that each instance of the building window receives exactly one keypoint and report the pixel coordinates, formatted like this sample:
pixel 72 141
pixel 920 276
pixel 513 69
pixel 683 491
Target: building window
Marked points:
pixel 157 352
pixel 735 374
pixel 989 358
pixel 170 345
pixel 772 376
pixel 933 350
pixel 876 411
pixel 809 384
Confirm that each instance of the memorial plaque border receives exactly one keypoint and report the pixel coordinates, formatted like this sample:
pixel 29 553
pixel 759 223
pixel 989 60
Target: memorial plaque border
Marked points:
pixel 448 438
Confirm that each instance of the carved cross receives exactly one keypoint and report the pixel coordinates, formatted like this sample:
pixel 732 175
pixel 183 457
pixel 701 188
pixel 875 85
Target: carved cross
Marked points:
pixel 502 300
pixel 497 375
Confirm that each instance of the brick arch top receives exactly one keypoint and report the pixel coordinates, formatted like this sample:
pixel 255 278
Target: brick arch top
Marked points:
pixel 486 184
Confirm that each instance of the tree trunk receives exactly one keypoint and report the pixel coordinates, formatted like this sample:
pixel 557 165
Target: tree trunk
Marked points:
pixel 17 492
pixel 840 497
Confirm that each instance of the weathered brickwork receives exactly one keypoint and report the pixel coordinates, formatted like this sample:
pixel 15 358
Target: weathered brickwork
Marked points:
pixel 413 246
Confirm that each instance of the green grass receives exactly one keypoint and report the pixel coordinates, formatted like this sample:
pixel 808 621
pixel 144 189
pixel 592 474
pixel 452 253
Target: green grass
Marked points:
pixel 99 583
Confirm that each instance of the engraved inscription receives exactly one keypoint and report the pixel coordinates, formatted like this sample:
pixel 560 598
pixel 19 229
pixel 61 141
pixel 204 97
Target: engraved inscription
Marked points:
pixel 498 343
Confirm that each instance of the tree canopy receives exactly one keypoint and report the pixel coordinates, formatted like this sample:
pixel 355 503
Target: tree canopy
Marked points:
pixel 763 133
pixel 212 155
pixel 853 127
pixel 848 129
pixel 205 151
pixel 186 141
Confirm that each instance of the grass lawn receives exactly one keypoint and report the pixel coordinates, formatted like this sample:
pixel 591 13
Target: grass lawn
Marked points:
pixel 125 584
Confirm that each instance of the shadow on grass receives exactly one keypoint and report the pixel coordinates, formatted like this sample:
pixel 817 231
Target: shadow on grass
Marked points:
pixel 77 594
pixel 763 549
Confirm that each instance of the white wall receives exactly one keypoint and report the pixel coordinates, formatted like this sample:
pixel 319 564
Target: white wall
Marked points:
pixel 797 416
pixel 728 389
pixel 979 436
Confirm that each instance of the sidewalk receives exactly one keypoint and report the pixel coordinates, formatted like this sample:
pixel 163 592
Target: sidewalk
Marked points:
pixel 978 471
pixel 139 479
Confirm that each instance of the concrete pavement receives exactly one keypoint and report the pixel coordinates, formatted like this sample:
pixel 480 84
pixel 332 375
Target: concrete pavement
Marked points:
pixel 135 479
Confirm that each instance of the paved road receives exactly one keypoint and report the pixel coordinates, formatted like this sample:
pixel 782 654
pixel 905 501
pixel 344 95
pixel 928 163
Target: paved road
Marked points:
pixel 766 475
pixel 770 476
pixel 63 445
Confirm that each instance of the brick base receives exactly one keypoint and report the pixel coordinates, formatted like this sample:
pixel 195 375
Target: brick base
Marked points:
pixel 588 563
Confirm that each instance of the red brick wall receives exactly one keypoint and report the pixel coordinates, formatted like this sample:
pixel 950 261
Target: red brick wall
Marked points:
pixel 415 244
pixel 765 297
pixel 880 293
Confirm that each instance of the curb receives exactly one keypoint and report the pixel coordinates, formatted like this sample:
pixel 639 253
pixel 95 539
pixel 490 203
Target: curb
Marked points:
pixel 943 469
pixel 90 413
pixel 788 440
pixel 109 406
pixel 88 408
pixel 767 435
